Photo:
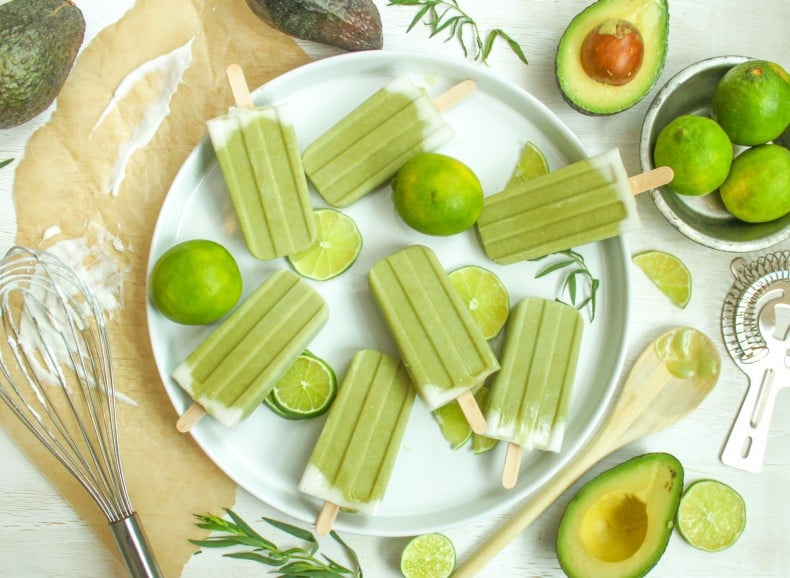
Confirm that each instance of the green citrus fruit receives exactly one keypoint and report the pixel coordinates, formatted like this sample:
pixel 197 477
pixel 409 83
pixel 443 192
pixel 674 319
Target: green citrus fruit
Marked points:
pixel 484 295
pixel 668 273
pixel 752 102
pixel 453 424
pixel 758 187
pixel 336 247
pixel 698 151
pixel 437 194
pixel 195 282
pixel 306 390
pixel 531 163
pixel 711 515
pixel 428 556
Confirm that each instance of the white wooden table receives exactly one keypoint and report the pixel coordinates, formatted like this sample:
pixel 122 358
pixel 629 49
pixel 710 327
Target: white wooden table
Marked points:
pixel 41 536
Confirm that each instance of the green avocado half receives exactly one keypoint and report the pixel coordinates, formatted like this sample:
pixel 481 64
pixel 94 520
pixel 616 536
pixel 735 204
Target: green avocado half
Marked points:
pixel 39 40
pixel 620 522
pixel 612 53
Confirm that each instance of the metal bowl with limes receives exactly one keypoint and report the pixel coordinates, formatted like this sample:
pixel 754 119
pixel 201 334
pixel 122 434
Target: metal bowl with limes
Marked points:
pixel 702 219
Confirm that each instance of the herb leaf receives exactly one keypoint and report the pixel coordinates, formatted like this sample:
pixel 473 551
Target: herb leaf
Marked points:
pixel 579 271
pixel 296 562
pixel 5 162
pixel 447 15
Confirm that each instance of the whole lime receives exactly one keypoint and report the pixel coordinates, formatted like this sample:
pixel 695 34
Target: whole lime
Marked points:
pixel 752 102
pixel 437 194
pixel 195 282
pixel 758 188
pixel 698 151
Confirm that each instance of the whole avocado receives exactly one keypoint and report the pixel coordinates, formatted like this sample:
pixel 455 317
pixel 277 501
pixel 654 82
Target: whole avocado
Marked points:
pixel 347 24
pixel 39 40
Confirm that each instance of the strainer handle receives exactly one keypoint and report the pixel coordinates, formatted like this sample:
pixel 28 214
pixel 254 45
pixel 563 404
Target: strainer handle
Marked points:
pixel 133 544
pixel 746 444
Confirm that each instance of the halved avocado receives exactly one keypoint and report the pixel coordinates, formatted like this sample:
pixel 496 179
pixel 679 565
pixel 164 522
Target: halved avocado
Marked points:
pixel 620 522
pixel 612 53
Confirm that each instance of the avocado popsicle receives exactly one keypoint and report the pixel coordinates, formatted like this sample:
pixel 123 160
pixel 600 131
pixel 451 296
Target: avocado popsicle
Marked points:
pixel 353 459
pixel 230 373
pixel 259 156
pixel 589 200
pixel 367 147
pixel 529 397
pixel 442 346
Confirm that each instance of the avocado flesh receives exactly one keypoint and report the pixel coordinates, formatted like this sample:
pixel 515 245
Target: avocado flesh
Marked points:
pixel 650 18
pixel 39 40
pixel 619 523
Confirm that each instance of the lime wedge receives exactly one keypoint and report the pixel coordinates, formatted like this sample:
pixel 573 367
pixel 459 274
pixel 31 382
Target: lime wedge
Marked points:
pixel 428 556
pixel 453 424
pixel 531 163
pixel 668 273
pixel 484 295
pixel 711 515
pixel 336 247
pixel 306 390
pixel 481 443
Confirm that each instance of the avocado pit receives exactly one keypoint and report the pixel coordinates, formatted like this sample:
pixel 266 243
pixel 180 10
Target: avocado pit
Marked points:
pixel 613 52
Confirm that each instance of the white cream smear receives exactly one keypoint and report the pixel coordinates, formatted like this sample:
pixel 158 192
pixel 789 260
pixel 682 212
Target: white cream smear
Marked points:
pixel 171 67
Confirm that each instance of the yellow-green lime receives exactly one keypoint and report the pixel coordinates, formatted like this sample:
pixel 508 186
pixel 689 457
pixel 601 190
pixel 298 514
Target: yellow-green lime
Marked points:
pixel 531 163
pixel 757 189
pixel 697 150
pixel 437 195
pixel 307 389
pixel 752 102
pixel 668 273
pixel 195 282
pixel 481 443
pixel 711 515
pixel 453 424
pixel 428 556
pixel 484 295
pixel 336 247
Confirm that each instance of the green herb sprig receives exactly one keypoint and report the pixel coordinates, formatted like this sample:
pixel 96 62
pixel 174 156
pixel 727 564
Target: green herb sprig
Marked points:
pixel 446 16
pixel 5 162
pixel 294 562
pixel 578 270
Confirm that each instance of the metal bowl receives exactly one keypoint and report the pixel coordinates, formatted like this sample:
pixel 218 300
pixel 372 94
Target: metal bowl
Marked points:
pixel 702 219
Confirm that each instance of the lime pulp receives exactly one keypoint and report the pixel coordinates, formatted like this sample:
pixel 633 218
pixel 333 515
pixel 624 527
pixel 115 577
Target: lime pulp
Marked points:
pixel 428 556
pixel 306 390
pixel 484 295
pixel 711 515
pixel 668 273
pixel 336 247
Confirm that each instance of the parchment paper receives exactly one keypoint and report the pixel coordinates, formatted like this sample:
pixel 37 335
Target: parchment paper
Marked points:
pixel 62 181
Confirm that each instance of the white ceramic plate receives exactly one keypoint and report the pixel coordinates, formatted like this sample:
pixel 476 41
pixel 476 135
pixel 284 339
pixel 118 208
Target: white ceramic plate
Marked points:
pixel 432 487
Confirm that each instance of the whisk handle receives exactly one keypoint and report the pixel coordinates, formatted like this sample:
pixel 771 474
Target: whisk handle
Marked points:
pixel 134 546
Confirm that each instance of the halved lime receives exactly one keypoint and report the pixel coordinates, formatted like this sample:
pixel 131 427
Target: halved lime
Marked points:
pixel 484 295
pixel 428 556
pixel 531 163
pixel 668 273
pixel 453 424
pixel 711 515
pixel 481 443
pixel 336 247
pixel 307 389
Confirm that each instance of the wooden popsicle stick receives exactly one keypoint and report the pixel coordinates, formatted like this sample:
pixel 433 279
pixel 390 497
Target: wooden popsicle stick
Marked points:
pixel 454 95
pixel 238 86
pixel 190 417
pixel 474 416
pixel 651 179
pixel 512 466
pixel 326 518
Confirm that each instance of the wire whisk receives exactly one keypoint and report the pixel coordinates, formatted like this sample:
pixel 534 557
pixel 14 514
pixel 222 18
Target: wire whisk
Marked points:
pixel 57 378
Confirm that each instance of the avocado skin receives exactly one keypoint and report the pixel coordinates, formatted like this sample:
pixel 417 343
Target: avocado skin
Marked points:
pixel 663 474
pixel 347 24
pixel 39 40
pixel 647 78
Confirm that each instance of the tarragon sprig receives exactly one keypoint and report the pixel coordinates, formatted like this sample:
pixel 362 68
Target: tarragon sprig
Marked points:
pixel 5 162
pixel 448 17
pixel 294 562
pixel 579 269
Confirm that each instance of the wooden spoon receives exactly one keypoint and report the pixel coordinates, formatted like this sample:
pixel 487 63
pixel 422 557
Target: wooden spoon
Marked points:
pixel 670 379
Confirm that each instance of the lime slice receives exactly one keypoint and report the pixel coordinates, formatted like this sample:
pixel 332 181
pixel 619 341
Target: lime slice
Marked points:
pixel 484 295
pixel 453 424
pixel 481 443
pixel 428 556
pixel 668 273
pixel 336 247
pixel 307 389
pixel 711 515
pixel 532 163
